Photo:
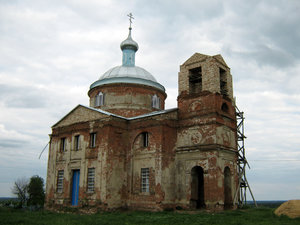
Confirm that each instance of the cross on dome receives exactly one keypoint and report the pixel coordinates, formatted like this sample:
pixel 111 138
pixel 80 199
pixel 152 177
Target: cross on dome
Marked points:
pixel 130 19
pixel 129 47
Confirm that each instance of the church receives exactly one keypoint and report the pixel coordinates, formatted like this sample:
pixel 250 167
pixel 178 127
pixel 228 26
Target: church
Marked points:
pixel 125 150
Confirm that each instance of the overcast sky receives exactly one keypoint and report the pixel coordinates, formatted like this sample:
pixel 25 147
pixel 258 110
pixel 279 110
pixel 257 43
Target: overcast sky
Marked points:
pixel 52 50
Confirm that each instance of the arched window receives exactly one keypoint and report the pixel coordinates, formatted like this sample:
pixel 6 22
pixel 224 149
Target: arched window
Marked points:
pixel 197 187
pixel 224 107
pixel 155 102
pixel 145 137
pixel 228 201
pixel 99 99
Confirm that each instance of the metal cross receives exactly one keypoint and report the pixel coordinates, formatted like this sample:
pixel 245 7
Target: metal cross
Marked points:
pixel 130 18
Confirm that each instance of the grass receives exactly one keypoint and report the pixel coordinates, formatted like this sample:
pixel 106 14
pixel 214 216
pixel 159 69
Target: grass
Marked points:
pixel 263 215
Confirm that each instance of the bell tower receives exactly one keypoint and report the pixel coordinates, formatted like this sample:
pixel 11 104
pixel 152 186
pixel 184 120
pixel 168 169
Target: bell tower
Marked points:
pixel 203 73
pixel 206 141
pixel 205 86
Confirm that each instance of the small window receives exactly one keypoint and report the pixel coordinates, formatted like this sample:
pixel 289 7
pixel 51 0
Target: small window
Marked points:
pixel 155 102
pixel 60 181
pixel 144 179
pixel 63 144
pixel 99 99
pixel 224 107
pixel 91 180
pixel 93 137
pixel 77 143
pixel 145 137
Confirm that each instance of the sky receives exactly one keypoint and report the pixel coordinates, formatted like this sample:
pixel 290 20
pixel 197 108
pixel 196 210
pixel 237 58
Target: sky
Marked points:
pixel 51 51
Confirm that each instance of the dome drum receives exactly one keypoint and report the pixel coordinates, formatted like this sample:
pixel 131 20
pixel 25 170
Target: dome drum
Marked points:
pixel 127 99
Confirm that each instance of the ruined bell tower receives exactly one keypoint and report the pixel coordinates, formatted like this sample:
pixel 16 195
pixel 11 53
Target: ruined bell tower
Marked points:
pixel 206 154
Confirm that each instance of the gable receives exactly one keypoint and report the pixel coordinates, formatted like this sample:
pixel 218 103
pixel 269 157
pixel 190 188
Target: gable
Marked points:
pixel 220 59
pixel 197 57
pixel 80 114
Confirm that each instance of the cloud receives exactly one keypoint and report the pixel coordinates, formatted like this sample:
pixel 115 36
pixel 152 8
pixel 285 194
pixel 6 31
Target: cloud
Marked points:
pixel 11 143
pixel 264 55
pixel 266 35
pixel 22 96
pixel 12 136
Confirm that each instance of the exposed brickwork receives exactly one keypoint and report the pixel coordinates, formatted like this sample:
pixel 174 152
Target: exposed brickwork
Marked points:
pixel 186 150
pixel 210 66
pixel 127 100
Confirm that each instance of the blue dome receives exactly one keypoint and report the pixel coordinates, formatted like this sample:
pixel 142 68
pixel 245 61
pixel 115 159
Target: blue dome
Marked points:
pixel 129 43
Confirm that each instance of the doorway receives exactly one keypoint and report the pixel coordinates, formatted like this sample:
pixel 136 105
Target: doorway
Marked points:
pixel 75 187
pixel 227 189
pixel 197 188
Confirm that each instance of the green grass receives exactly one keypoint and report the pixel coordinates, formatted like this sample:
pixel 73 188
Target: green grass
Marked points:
pixel 246 216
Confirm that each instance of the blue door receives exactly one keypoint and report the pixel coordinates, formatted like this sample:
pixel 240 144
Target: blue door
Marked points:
pixel 75 187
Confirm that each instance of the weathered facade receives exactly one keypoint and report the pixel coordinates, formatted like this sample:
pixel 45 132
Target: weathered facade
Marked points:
pixel 126 151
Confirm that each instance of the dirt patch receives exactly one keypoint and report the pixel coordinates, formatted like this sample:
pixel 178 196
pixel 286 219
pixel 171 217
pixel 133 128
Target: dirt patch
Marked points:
pixel 290 208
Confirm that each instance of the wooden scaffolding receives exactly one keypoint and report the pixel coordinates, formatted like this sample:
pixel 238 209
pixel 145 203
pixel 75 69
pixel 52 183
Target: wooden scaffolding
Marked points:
pixel 240 196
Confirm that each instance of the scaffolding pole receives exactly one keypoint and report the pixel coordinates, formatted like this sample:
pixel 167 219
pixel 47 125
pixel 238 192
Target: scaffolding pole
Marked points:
pixel 240 196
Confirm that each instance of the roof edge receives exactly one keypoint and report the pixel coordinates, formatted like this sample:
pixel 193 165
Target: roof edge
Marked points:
pixel 87 107
pixel 128 80
pixel 154 113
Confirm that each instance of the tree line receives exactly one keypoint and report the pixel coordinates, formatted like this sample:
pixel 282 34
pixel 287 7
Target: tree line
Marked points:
pixel 30 192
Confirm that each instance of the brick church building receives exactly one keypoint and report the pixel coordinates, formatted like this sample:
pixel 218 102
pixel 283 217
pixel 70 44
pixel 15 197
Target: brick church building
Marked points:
pixel 125 150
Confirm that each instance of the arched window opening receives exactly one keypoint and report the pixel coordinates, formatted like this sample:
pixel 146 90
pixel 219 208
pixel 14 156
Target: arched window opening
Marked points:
pixel 197 188
pixel 155 102
pixel 145 139
pixel 99 99
pixel 228 203
pixel 224 107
